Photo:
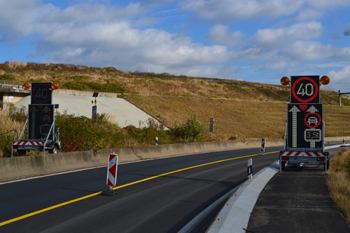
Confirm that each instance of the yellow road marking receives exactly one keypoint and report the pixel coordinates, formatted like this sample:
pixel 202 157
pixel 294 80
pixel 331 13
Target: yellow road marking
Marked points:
pixel 120 186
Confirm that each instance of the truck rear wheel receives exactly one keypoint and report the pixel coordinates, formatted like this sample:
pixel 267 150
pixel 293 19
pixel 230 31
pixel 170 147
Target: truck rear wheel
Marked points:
pixel 283 165
pixel 53 150
pixel 21 152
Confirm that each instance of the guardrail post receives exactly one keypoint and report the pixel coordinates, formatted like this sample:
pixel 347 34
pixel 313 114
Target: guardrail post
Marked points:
pixel 14 137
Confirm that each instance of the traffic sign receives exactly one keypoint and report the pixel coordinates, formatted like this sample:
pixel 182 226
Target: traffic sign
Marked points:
pixel 305 89
pixel 41 93
pixel 112 170
pixel 211 121
pixel 40 121
pixel 305 128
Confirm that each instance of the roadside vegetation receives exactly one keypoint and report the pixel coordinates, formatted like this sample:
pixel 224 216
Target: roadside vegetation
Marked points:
pixel 79 133
pixel 339 182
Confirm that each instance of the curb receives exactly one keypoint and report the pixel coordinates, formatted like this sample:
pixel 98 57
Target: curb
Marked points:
pixel 234 216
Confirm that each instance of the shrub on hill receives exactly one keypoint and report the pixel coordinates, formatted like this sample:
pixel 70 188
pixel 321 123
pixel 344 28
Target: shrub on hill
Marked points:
pixel 190 131
pixel 90 86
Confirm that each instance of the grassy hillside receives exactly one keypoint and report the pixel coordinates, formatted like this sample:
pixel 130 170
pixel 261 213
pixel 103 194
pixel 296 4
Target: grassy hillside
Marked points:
pixel 242 109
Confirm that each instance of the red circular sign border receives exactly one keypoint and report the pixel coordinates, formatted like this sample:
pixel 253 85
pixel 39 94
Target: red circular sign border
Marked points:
pixel 41 116
pixel 48 96
pixel 319 122
pixel 312 97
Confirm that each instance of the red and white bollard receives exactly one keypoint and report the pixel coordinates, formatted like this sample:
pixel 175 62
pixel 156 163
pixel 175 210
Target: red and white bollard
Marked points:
pixel 262 148
pixel 111 175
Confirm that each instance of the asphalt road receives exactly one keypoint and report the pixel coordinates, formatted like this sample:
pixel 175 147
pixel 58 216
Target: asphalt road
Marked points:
pixel 162 204
pixel 297 200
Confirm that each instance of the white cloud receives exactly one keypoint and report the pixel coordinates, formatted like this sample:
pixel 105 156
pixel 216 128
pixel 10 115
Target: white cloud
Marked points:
pixel 17 18
pixel 251 52
pixel 276 65
pixel 243 9
pixel 343 53
pixel 347 30
pixel 220 34
pixel 310 13
pixel 309 50
pixel 279 36
pixel 340 79
pixel 302 70
pixel 214 71
pixel 120 45
pixel 326 4
pixel 93 13
pixel 100 35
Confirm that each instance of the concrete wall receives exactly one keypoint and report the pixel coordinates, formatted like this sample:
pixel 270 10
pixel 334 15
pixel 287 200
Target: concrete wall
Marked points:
pixel 28 166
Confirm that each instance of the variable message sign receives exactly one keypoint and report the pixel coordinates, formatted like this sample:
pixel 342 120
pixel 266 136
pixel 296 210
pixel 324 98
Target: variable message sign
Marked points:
pixel 40 121
pixel 305 126
pixel 305 89
pixel 41 93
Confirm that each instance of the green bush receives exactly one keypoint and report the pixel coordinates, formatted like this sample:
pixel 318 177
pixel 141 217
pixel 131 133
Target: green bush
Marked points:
pixel 78 133
pixel 191 131
pixel 17 114
pixel 348 163
pixel 8 77
pixel 78 77
pixel 340 152
pixel 5 143
pixel 89 86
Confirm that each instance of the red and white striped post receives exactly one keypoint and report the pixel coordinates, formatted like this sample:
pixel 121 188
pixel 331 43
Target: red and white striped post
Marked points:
pixel 111 174
pixel 262 148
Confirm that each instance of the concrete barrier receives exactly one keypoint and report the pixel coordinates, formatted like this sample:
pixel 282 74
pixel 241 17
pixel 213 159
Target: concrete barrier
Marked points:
pixel 337 139
pixel 28 166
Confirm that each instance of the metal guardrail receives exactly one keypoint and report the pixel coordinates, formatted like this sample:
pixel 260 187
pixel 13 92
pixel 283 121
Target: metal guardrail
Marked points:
pixel 342 93
pixel 11 84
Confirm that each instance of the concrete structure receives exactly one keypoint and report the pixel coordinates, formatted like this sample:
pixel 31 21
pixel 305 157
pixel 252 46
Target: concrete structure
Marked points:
pixel 79 103
pixel 11 92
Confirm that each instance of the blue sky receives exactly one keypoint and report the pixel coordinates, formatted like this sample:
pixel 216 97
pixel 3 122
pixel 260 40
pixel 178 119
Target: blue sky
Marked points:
pixel 251 40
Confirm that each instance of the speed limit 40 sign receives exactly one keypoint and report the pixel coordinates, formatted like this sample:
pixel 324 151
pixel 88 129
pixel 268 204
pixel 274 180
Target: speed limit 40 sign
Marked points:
pixel 41 93
pixel 305 89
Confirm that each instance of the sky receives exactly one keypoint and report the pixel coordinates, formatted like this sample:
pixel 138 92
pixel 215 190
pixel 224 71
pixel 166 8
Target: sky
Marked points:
pixel 251 40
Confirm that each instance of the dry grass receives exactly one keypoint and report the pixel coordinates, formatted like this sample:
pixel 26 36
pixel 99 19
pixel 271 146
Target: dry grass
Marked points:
pixel 247 119
pixel 7 126
pixel 339 182
pixel 6 123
